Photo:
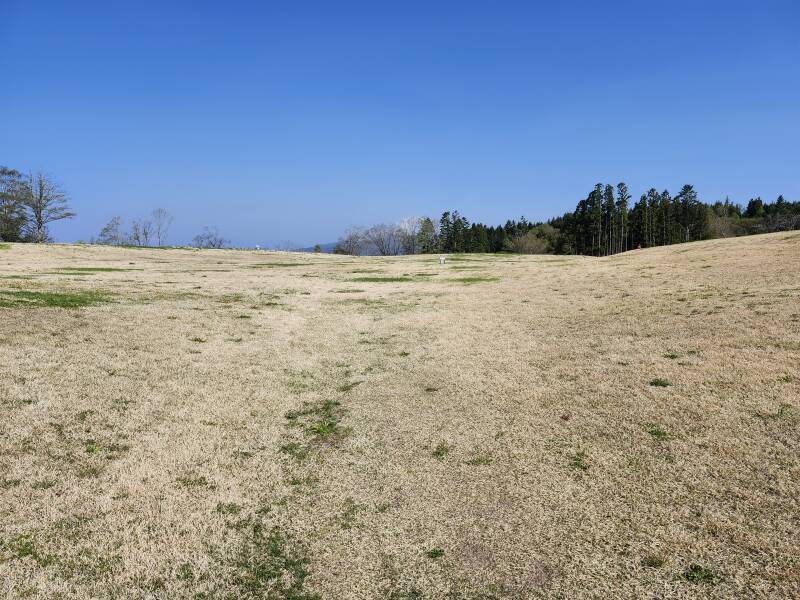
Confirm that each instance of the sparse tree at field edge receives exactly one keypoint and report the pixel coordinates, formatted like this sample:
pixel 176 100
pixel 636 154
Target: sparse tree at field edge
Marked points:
pixel 209 238
pixel 46 203
pixel 161 223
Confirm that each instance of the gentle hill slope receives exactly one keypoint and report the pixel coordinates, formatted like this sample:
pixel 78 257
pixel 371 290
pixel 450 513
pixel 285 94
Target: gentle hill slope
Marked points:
pixel 228 424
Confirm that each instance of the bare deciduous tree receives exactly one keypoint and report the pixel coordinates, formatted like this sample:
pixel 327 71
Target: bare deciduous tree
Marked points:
pixel 47 203
pixel 136 234
pixel 351 242
pixel 141 234
pixel 161 223
pixel 147 231
pixel 141 230
pixel 209 238
pixel 111 234
pixel 384 238
pixel 408 233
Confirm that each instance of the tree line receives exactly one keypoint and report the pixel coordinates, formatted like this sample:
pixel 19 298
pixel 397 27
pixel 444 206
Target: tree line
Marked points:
pixel 152 231
pixel 30 203
pixel 604 223
pixel 149 231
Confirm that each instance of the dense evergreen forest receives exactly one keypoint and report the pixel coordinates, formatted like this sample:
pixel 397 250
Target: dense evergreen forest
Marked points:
pixel 605 222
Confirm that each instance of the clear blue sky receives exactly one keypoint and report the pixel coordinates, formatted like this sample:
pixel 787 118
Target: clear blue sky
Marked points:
pixel 289 121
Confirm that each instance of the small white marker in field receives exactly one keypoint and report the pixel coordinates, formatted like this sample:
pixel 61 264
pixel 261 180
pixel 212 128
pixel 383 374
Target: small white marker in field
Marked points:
pixel 441 260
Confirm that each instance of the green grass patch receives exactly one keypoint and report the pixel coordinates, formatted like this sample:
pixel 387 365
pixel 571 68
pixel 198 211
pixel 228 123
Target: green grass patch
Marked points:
pixel 5 246
pixel 296 450
pixel 93 269
pixel 473 279
pixel 299 381
pixel 462 258
pixel 654 561
pixel 44 484
pixel 269 565
pixel 370 302
pixel 88 471
pixel 24 546
pixel 577 461
pixel 228 508
pixel 350 513
pixel 782 412
pixel 381 279
pixel 346 387
pixel 323 428
pixel 28 299
pixel 441 451
pixel 658 382
pixel 231 298
pixel 434 553
pixel 699 574
pixel 321 421
pixel 479 460
pixel 193 481
pixel 656 431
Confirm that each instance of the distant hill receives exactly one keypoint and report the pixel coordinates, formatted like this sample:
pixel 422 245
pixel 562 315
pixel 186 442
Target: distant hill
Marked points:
pixel 328 248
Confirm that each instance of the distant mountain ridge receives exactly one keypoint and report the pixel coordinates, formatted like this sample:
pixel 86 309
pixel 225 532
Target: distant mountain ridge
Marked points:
pixel 327 248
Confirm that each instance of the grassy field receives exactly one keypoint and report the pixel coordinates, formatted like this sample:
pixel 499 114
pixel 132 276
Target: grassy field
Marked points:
pixel 232 424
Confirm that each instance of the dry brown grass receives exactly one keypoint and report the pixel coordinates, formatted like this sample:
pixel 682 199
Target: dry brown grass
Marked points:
pixel 228 424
